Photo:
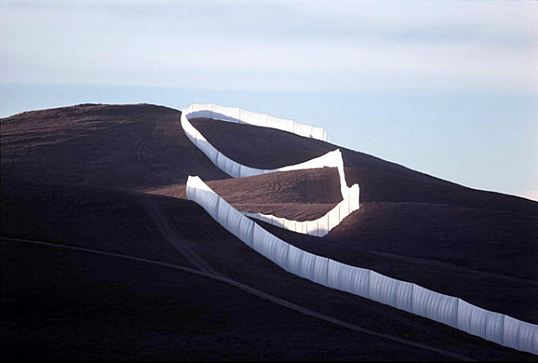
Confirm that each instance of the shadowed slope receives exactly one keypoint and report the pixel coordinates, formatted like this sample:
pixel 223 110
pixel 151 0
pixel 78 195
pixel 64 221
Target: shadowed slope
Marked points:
pixel 485 240
pixel 89 306
pixel 96 306
pixel 443 270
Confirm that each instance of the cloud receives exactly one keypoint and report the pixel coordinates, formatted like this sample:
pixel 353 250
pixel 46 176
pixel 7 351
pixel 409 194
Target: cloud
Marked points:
pixel 273 46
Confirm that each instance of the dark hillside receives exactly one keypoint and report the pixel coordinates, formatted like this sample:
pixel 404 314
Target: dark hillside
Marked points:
pixel 221 301
pixel 121 146
pixel 158 278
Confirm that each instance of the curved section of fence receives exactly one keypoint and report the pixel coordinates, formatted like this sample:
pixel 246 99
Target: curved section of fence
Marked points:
pixel 319 227
pixel 452 311
pixel 239 115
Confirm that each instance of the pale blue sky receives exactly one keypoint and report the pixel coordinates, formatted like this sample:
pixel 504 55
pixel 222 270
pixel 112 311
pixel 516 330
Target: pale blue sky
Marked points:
pixel 449 88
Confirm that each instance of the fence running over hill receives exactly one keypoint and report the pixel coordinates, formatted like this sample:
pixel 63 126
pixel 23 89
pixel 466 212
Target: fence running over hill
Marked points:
pixel 319 227
pixel 455 312
pixel 239 115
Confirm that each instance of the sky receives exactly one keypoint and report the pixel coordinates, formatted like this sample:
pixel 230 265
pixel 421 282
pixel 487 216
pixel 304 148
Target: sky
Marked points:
pixel 449 88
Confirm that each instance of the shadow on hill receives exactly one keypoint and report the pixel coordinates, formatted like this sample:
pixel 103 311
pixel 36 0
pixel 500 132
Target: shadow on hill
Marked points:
pixel 105 306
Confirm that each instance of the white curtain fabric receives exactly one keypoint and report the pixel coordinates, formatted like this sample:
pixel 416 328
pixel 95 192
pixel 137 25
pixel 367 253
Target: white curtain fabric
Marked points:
pixel 433 305
pixel 270 246
pixel 200 110
pixel 354 280
pixel 389 291
pixel 520 335
pixel 449 310
pixel 319 227
pixel 480 322
pixel 303 130
pixel 224 113
pixel 239 115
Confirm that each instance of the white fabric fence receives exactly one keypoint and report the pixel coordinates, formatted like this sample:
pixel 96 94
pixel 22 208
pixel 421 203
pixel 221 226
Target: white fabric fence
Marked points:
pixel 319 227
pixel 457 313
pixel 239 115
